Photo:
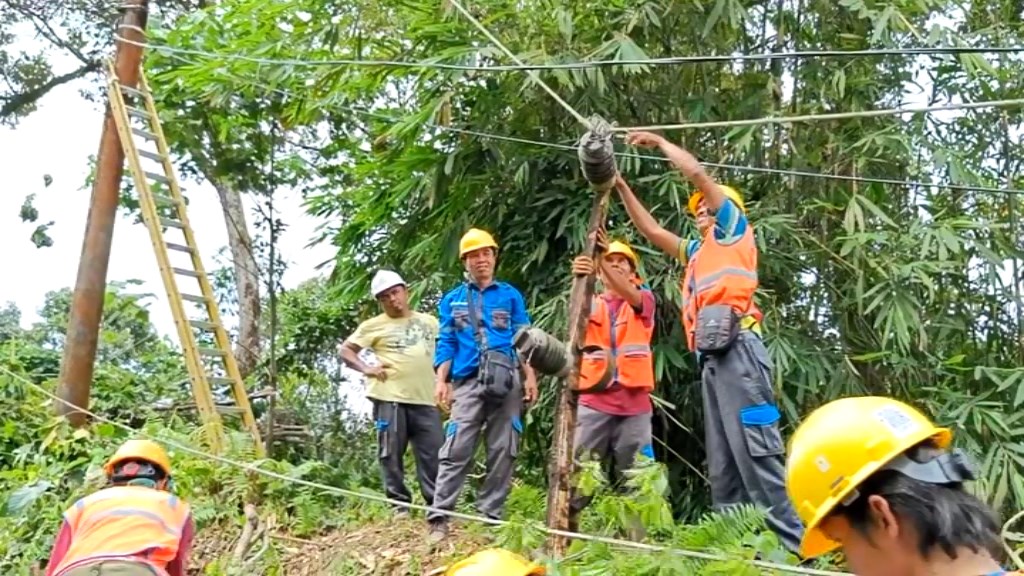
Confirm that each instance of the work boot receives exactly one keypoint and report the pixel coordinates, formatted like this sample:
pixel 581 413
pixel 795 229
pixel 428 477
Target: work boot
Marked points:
pixel 401 513
pixel 438 531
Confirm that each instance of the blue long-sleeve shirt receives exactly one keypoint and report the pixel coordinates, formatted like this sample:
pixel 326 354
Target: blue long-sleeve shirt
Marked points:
pixel 504 312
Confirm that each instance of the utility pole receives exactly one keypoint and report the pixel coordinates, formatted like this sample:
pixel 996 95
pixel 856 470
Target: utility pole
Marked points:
pixel 598 164
pixel 91 285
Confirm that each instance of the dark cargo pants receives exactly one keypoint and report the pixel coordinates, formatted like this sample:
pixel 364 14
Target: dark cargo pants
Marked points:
pixel 599 434
pixel 501 424
pixel 746 454
pixel 398 424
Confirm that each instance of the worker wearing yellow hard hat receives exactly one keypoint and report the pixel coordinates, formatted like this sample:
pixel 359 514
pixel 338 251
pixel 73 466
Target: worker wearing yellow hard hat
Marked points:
pixel 495 562
pixel 722 326
pixel 613 420
pixel 481 379
pixel 877 478
pixel 133 527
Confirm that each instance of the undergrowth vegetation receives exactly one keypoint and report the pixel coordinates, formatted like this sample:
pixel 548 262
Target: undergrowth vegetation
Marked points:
pixel 45 466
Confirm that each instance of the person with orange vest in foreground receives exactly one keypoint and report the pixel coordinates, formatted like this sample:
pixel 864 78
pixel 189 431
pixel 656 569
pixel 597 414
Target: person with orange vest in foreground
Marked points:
pixel 495 562
pixel 133 527
pixel 617 419
pixel 877 478
pixel 723 327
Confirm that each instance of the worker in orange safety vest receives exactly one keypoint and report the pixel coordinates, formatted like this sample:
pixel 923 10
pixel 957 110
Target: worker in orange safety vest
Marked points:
pixel 877 478
pixel 744 445
pixel 135 526
pixel 615 420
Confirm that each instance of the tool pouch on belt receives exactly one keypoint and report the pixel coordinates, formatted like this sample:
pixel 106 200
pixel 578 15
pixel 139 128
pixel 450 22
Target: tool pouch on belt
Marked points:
pixel 497 372
pixel 718 326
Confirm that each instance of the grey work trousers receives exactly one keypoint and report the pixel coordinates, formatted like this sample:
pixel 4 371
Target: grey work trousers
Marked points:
pixel 113 568
pixel 397 425
pixel 599 434
pixel 502 426
pixel 746 454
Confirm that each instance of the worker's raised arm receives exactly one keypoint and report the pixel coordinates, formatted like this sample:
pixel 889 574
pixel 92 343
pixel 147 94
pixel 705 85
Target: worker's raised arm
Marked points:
pixel 685 162
pixel 644 222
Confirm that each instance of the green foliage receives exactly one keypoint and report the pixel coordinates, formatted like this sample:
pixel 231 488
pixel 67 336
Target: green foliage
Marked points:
pixel 867 288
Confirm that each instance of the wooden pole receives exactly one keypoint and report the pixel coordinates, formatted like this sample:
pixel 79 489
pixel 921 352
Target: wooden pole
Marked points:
pixel 560 469
pixel 91 285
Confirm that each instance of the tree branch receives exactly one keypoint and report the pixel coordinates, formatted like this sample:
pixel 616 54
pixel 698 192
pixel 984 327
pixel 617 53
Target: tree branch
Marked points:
pixel 19 101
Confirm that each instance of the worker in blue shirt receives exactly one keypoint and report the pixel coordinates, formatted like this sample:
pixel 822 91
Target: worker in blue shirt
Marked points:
pixel 481 380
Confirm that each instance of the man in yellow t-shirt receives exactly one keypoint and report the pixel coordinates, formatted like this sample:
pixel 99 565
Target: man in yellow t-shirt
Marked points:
pixel 401 386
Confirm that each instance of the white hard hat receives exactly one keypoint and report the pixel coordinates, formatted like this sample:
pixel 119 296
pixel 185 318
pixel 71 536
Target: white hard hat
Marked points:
pixel 383 280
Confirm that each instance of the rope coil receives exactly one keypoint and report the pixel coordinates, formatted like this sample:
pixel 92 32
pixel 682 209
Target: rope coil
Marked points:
pixel 543 352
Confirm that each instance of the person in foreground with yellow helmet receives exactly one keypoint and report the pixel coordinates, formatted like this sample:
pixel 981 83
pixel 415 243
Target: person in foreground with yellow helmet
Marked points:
pixel 877 478
pixel 135 526
pixel 495 562
pixel 615 419
pixel 723 327
pixel 477 376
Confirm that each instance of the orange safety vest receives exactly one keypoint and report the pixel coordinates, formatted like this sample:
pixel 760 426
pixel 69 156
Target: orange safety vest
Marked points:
pixel 720 274
pixel 626 339
pixel 129 522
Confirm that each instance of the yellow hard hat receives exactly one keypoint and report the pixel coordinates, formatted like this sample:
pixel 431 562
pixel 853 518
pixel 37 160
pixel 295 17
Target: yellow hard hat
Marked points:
pixel 617 247
pixel 840 445
pixel 729 192
pixel 495 562
pixel 476 239
pixel 139 450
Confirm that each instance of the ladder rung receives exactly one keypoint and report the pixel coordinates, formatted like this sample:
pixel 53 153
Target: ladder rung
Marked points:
pixel 193 298
pixel 132 91
pixel 157 177
pixel 203 324
pixel 219 380
pixel 172 223
pixel 161 199
pixel 228 409
pixel 178 248
pixel 144 134
pixel 154 156
pixel 141 114
pixel 211 352
pixel 184 272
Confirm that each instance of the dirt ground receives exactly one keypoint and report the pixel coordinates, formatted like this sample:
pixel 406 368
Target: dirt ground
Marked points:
pixel 397 547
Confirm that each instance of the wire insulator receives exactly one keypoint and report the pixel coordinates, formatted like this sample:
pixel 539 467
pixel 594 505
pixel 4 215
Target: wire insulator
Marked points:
pixel 597 155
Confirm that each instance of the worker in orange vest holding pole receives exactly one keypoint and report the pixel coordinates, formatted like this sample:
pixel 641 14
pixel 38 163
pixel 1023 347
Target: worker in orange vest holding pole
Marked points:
pixel 723 327
pixel 878 479
pixel 135 526
pixel 615 420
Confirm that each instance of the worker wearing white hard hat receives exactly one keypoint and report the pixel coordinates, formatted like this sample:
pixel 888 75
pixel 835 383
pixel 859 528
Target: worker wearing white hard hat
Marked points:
pixel 400 385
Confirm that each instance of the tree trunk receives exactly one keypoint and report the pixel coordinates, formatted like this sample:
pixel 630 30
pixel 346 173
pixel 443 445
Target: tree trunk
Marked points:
pixel 247 278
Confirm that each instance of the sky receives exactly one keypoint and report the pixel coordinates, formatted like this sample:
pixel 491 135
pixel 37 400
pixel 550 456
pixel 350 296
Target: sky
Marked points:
pixel 57 140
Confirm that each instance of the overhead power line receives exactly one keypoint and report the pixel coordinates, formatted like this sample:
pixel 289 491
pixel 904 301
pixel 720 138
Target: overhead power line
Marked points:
pixel 723 166
pixel 436 64
pixel 827 116
pixel 533 74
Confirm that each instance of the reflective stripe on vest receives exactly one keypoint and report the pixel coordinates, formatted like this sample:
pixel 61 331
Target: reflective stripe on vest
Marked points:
pixel 626 339
pixel 130 522
pixel 721 274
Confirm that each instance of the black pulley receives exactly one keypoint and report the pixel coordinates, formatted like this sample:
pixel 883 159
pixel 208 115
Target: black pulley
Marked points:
pixel 597 154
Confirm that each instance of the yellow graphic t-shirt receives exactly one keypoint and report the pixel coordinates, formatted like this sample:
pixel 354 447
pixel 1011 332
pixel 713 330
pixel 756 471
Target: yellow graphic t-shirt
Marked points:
pixel 406 345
